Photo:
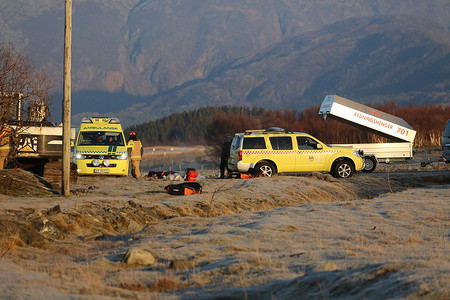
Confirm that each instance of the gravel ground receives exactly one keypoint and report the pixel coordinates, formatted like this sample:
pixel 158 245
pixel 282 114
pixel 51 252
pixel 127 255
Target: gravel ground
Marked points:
pixel 376 235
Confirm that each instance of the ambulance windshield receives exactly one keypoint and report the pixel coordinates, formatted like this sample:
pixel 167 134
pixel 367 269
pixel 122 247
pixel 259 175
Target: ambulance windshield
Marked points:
pixel 100 138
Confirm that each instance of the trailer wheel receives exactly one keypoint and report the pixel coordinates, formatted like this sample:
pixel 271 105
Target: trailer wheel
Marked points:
pixel 343 169
pixel 370 163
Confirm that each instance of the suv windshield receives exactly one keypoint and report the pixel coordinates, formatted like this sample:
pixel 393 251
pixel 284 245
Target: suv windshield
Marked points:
pixel 100 138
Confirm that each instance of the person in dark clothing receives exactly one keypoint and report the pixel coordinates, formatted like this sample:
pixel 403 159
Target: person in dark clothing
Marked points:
pixel 225 155
pixel 110 141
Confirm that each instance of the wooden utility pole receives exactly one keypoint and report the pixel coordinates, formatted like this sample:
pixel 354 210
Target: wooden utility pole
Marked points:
pixel 66 114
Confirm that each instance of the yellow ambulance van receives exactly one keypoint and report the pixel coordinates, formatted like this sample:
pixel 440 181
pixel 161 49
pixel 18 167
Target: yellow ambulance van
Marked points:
pixel 100 148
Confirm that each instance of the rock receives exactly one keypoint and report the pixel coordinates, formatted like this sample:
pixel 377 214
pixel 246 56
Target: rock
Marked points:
pixel 178 264
pixel 21 231
pixel 38 223
pixel 134 204
pixel 328 266
pixel 50 230
pixel 54 210
pixel 138 257
pixel 324 177
pixel 134 226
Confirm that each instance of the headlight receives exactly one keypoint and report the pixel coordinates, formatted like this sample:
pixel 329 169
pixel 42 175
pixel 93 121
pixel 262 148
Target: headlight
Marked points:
pixel 80 156
pixel 122 157
pixel 106 163
pixel 96 163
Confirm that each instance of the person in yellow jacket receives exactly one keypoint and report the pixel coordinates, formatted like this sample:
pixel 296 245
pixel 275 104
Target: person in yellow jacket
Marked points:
pixel 5 145
pixel 136 154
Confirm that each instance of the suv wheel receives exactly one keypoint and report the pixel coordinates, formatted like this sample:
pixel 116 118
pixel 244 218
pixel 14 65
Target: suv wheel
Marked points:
pixel 265 168
pixel 343 169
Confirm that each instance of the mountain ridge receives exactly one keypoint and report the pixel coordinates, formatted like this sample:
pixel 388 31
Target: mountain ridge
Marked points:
pixel 148 49
pixel 385 78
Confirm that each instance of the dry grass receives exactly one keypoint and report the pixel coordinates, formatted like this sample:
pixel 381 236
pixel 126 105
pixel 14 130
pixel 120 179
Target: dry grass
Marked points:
pixel 10 243
pixel 249 234
pixel 135 286
pixel 161 283
pixel 168 283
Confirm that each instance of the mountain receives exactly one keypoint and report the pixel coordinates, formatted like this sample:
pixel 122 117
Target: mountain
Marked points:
pixel 165 56
pixel 373 60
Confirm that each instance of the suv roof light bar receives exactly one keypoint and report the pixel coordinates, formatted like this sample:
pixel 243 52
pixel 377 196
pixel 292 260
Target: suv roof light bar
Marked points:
pixel 269 130
pixel 255 130
pixel 276 129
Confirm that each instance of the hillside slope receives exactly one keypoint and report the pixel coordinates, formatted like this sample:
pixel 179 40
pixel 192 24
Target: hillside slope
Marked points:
pixel 369 60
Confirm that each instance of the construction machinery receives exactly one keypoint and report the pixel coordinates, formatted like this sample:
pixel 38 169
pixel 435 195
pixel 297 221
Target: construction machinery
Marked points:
pixel 36 144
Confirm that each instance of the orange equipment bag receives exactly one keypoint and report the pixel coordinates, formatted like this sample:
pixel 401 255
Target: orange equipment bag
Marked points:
pixel 185 188
pixel 191 174
pixel 244 175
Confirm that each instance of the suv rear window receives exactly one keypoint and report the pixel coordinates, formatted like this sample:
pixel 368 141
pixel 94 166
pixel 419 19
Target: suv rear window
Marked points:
pixel 236 143
pixel 281 142
pixel 254 143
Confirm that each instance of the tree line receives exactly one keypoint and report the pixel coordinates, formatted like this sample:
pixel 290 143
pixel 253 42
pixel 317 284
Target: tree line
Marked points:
pixel 189 127
pixel 209 125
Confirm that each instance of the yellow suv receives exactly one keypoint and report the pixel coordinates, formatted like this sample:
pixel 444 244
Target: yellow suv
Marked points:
pixel 277 151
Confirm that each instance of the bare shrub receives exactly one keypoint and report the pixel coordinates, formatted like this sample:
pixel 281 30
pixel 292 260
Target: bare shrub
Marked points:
pixel 19 75
pixel 166 283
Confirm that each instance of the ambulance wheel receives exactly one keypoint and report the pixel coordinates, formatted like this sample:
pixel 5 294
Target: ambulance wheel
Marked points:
pixel 265 168
pixel 343 169
pixel 370 163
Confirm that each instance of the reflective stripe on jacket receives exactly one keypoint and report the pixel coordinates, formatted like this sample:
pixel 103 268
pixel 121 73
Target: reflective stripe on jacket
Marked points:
pixel 5 148
pixel 5 139
pixel 4 132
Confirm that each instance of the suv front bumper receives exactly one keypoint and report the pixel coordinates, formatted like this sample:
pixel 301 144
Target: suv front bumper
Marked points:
pixel 359 164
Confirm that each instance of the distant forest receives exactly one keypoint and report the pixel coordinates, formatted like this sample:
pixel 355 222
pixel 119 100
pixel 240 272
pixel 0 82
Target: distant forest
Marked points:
pixel 207 126
pixel 189 127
